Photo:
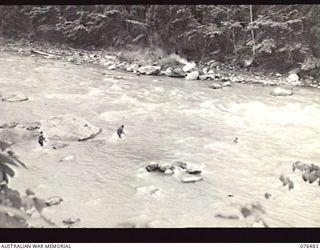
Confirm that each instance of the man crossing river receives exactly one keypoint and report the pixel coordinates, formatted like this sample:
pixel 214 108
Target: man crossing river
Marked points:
pixel 120 131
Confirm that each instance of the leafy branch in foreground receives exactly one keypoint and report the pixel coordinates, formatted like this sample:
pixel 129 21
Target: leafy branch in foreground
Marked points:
pixel 16 210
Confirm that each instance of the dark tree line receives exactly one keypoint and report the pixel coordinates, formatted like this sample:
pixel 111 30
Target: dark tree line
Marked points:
pixel 272 34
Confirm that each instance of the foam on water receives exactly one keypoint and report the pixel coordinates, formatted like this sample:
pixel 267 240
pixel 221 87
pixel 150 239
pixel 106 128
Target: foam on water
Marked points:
pixel 165 121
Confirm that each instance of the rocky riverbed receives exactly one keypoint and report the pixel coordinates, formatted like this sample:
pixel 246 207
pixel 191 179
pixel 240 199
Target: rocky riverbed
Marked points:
pixel 223 74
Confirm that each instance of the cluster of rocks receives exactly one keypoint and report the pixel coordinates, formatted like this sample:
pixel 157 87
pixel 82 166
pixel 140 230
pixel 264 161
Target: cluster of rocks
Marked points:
pixel 292 81
pixel 211 70
pixel 252 213
pixel 255 211
pixel 23 125
pixel 188 175
pixel 286 181
pixel 311 82
pixel 9 125
pixel 311 172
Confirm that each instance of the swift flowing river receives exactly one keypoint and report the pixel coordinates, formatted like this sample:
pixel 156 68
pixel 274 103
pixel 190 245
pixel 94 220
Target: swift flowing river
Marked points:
pixel 166 119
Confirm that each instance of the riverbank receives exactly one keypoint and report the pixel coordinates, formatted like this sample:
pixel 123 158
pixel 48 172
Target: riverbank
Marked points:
pixel 156 62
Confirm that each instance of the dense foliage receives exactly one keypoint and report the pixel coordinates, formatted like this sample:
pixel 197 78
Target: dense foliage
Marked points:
pixel 274 35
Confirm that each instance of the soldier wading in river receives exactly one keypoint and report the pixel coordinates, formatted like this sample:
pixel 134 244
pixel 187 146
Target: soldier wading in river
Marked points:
pixel 120 131
pixel 41 139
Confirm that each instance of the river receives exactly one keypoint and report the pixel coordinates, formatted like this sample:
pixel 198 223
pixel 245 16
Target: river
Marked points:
pixel 166 119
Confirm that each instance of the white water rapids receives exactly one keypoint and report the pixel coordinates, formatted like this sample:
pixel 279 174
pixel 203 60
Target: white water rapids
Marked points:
pixel 166 119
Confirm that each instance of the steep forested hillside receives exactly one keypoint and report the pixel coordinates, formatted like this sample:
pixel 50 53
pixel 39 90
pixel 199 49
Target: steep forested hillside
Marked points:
pixel 274 35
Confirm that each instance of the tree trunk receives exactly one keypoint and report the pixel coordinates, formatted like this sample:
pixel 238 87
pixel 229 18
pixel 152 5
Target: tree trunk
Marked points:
pixel 252 32
pixel 234 42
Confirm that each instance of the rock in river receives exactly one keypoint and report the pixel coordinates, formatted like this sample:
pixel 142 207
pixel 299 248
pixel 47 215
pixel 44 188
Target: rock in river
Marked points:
pixel 226 84
pixel 68 158
pixel 311 172
pixel 189 66
pixel 177 72
pixel 149 70
pixel 15 96
pixel 9 125
pixel 154 168
pixel 215 86
pixel 59 145
pixel 191 179
pixel 195 172
pixel 192 75
pixel 293 77
pixel 179 164
pixel 281 92
pixel 71 221
pixel 70 127
pixel 133 67
pixel 55 200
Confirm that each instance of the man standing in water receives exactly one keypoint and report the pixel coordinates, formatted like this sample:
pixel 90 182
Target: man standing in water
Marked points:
pixel 120 131
pixel 41 139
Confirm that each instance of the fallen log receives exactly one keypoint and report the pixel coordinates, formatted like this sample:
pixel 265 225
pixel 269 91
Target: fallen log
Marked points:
pixel 42 53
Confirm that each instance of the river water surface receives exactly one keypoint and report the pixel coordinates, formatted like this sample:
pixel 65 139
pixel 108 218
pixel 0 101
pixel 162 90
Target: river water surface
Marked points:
pixel 166 119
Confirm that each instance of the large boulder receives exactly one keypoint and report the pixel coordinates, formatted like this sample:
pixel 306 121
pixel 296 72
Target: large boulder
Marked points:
pixel 205 71
pixel 226 84
pixel 293 77
pixel 311 176
pixel 215 86
pixel 177 72
pixel 16 135
pixel 69 127
pixel 311 172
pixel 179 164
pixel 14 132
pixel 281 92
pixel 15 96
pixel 133 67
pixel 192 75
pixel 205 77
pixel 112 67
pixel 154 168
pixel 149 70
pixel 300 165
pixel 189 66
